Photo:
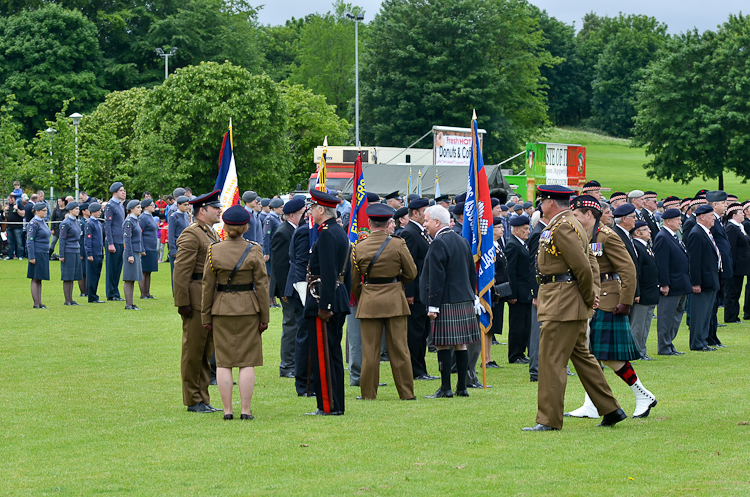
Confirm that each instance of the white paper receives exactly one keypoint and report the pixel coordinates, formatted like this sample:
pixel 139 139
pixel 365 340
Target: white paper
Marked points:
pixel 301 287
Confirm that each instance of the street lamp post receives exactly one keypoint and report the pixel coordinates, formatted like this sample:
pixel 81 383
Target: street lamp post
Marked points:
pixel 76 117
pixel 51 132
pixel 357 19
pixel 166 56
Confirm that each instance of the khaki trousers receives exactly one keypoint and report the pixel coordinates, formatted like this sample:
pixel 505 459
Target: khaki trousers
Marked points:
pixel 558 342
pixel 197 348
pixel 398 354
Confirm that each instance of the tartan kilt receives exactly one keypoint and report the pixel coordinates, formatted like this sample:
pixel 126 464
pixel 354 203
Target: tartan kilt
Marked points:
pixel 456 324
pixel 611 338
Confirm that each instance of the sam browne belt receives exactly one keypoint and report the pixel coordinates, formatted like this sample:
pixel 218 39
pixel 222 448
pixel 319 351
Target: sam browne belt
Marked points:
pixel 554 278
pixel 610 277
pixel 235 288
pixel 380 281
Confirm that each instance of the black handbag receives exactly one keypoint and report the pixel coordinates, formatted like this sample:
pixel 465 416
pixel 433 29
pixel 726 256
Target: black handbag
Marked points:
pixel 502 290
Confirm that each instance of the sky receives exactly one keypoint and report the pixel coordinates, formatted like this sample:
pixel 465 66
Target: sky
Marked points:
pixel 679 15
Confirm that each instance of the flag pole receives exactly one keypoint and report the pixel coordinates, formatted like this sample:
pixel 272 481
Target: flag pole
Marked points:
pixel 474 146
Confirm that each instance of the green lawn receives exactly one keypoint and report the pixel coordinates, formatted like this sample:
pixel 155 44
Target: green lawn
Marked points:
pixel 93 406
pixel 616 165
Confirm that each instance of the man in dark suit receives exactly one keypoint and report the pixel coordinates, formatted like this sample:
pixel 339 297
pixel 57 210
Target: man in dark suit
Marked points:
pixel 521 282
pixel 689 223
pixel 279 252
pixel 740 246
pixel 299 255
pixel 649 212
pixel 533 244
pixel 642 311
pixel 625 218
pixel 718 200
pixel 705 262
pixel 418 324
pixel 674 281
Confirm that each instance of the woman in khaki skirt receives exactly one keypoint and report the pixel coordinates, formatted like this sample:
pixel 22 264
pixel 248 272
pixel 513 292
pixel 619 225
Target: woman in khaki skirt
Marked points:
pixel 235 308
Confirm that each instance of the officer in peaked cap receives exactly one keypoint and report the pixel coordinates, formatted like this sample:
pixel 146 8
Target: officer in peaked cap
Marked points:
pixel 567 295
pixel 444 200
pixel 394 200
pixel 197 342
pixel 327 303
pixel 381 265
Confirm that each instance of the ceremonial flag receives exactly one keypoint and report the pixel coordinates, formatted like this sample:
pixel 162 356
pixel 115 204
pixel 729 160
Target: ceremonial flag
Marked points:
pixel 478 228
pixel 320 185
pixel 419 184
pixel 437 184
pixel 226 181
pixel 359 223
pixel 408 184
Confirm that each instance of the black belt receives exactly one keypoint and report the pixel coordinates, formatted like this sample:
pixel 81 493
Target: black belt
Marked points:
pixel 610 277
pixel 380 281
pixel 196 277
pixel 236 288
pixel 554 278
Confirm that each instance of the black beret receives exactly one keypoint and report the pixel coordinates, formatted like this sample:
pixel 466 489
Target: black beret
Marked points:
pixel 459 209
pixel 400 213
pixel 372 197
pixel 71 205
pixel 703 209
pixel 460 198
pixel 295 204
pixel 236 216
pixel 418 203
pixel 115 186
pixel 496 221
pixel 380 212
pixel 639 224
pixel 519 220
pixel 495 202
pixel 671 213
pixel 504 208
pixel 624 210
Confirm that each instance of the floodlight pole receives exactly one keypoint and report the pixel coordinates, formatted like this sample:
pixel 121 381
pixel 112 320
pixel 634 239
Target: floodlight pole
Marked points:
pixel 51 132
pixel 357 19
pixel 166 56
pixel 76 117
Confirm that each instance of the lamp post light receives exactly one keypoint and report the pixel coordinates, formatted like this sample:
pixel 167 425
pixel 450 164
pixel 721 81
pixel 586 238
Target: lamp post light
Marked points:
pixel 166 56
pixel 76 117
pixel 357 19
pixel 51 133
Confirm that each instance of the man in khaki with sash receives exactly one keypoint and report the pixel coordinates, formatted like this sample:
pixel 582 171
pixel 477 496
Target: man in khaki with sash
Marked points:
pixel 567 296
pixel 197 342
pixel 381 265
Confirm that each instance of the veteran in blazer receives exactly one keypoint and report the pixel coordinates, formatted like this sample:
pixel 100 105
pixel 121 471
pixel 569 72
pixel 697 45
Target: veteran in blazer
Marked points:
pixel 197 342
pixel 567 296
pixel 705 264
pixel 521 280
pixel 234 307
pixel 381 265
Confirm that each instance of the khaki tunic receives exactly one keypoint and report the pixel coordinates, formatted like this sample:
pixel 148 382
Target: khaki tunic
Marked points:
pixel 615 259
pixel 235 316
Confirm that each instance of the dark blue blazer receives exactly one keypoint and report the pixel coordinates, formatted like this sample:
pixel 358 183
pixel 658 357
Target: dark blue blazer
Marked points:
pixel 648 272
pixel 299 255
pixel 687 226
pixel 740 245
pixel 722 241
pixel 418 245
pixel 674 264
pixel 704 264
pixel 519 271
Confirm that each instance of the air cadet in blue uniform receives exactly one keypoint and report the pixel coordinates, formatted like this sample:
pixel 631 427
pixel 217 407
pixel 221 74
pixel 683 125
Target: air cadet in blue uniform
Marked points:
pixel 132 268
pixel 150 239
pixel 254 231
pixel 37 247
pixel 70 255
pixel 177 221
pixel 94 243
pixel 114 216
pixel 82 221
pixel 272 222
pixel 327 304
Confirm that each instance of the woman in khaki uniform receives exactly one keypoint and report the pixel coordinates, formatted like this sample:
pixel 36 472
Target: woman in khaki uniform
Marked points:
pixel 235 308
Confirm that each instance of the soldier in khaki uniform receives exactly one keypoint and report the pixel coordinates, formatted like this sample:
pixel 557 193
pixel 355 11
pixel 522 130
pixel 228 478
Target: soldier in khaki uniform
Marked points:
pixel 197 342
pixel 567 296
pixel 378 285
pixel 235 308
pixel 611 340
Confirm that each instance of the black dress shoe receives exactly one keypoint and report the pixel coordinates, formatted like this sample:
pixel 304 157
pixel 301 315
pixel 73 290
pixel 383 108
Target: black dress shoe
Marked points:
pixel 305 394
pixel 382 384
pixel 495 342
pixel 200 407
pixel 423 377
pixel 116 299
pixel 228 417
pixel 410 398
pixel 733 322
pixel 721 346
pixel 720 325
pixel 494 365
pixel 462 393
pixel 677 352
pixel 72 302
pixel 213 409
pixel 320 412
pixel 646 358
pixel 440 394
pixel 84 295
pixel 97 302
pixel 538 427
pixel 523 360
pixel 613 418
pixel 534 380
pixel 247 416
pixel 132 308
pixel 286 375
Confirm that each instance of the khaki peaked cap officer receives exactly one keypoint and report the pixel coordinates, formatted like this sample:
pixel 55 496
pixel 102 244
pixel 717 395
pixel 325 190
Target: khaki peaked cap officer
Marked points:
pixel 382 303
pixel 567 296
pixel 197 342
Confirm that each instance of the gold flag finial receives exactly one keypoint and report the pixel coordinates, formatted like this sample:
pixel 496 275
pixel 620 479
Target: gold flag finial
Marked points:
pixel 474 115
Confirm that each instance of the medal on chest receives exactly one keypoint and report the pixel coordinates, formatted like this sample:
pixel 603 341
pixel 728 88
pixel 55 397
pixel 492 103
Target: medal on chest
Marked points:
pixel 597 249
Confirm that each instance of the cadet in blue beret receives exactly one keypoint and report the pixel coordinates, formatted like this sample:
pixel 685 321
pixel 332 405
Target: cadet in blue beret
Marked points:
pixel 70 252
pixel 458 215
pixel 94 248
pixel 150 240
pixel 273 221
pixel 133 252
pixel 37 246
pixel 114 216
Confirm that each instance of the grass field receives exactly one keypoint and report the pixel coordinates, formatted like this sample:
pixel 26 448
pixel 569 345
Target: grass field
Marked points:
pixel 93 406
pixel 615 164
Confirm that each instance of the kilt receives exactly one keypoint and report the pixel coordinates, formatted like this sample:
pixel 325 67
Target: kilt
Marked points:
pixel 611 338
pixel 456 324
pixel 132 271
pixel 40 270
pixel 72 268
pixel 150 261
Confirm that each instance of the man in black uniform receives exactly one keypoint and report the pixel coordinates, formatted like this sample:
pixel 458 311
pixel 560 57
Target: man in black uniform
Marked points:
pixel 521 283
pixel 415 236
pixel 327 304
pixel 299 255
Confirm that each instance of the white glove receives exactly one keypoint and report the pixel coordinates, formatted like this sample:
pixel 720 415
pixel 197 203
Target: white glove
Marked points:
pixel 478 308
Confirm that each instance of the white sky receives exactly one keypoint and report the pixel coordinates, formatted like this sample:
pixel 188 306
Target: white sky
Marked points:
pixel 679 16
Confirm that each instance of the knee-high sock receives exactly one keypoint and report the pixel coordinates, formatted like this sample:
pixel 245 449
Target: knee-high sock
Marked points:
pixel 462 367
pixel 444 364
pixel 627 373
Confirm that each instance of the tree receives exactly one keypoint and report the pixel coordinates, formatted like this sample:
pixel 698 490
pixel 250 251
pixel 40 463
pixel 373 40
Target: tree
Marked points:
pixel 430 62
pixel 326 56
pixel 47 56
pixel 310 120
pixel 692 106
pixel 12 146
pixel 281 48
pixel 619 67
pixel 178 140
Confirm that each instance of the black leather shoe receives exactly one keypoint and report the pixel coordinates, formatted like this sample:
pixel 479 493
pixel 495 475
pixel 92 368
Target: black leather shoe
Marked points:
pixel 382 384
pixel 440 394
pixel 538 427
pixel 668 353
pixel 425 377
pixel 319 412
pixel 462 393
pixel 247 416
pixel 359 397
pixel 213 409
pixel 410 398
pixel 677 352
pixel 72 302
pixel 733 322
pixel 721 346
pixel 613 418
pixel 476 385
pixel 720 325
pixel 116 299
pixel 286 375
pixel 493 365
pixel 305 394
pixel 84 295
pixel 524 360
pixel 495 342
pixel 97 302
pixel 132 308
pixel 646 358
pixel 533 380
pixel 200 407
pixel 228 417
